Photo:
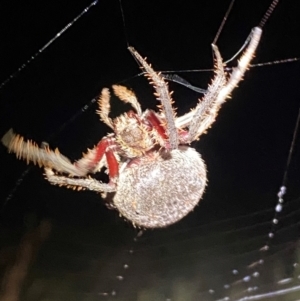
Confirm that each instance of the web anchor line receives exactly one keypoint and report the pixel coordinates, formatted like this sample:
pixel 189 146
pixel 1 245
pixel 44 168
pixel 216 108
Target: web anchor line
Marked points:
pixel 42 49
pixel 223 22
pixel 124 24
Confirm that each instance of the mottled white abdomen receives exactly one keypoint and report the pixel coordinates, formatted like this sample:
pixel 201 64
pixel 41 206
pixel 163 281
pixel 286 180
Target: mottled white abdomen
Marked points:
pixel 162 189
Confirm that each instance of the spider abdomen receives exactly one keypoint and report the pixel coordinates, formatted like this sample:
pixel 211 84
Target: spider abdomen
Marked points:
pixel 160 190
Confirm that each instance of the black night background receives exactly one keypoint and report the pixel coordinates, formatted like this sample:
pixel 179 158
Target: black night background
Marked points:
pixel 59 244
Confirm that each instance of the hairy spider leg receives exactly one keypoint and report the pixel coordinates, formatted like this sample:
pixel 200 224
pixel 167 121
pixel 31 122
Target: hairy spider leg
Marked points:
pixel 79 183
pixel 200 123
pixel 105 147
pixel 104 107
pixel 127 96
pixel 44 157
pixel 206 111
pixel 91 162
pixel 155 122
pixel 157 128
pixel 164 96
pixel 124 95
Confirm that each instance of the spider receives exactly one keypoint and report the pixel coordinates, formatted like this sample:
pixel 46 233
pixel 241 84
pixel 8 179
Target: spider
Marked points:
pixel 155 176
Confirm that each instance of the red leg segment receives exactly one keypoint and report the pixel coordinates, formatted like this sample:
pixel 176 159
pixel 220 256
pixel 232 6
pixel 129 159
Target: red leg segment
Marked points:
pixel 156 124
pixel 89 162
pixel 102 148
pixel 113 165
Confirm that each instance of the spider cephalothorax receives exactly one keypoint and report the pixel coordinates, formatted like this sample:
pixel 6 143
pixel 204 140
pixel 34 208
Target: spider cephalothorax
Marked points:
pixel 155 176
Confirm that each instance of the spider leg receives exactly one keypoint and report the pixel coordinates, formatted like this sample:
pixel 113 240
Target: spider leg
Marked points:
pixel 127 96
pixel 158 131
pixel 239 71
pixel 94 159
pixel 164 96
pixel 44 157
pixel 30 151
pixel 72 183
pixel 201 118
pixel 206 111
pixel 104 107
pixel 88 162
pixel 79 184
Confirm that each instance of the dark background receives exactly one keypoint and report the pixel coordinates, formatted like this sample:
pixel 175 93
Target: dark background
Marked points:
pixel 245 150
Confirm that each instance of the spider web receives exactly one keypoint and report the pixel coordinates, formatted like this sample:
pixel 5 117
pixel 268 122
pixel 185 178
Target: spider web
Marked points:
pixel 94 255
